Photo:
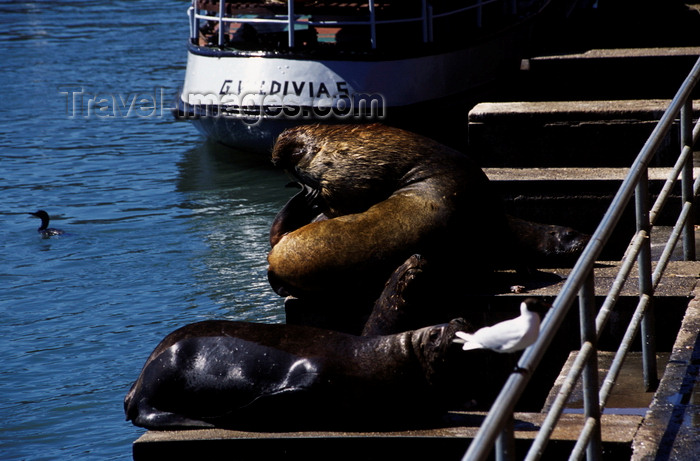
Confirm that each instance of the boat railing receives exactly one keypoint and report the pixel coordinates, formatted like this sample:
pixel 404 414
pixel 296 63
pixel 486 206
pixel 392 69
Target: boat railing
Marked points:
pixel 225 17
pixel 497 428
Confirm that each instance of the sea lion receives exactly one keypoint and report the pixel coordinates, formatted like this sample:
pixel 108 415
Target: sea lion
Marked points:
pixel 537 244
pixel 397 307
pixel 407 302
pixel 374 195
pixel 236 374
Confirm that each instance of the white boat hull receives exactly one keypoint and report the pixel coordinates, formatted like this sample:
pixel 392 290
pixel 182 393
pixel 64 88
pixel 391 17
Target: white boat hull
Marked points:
pixel 246 101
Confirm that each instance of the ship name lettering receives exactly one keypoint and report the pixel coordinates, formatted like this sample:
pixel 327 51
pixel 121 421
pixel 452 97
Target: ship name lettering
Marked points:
pixel 287 87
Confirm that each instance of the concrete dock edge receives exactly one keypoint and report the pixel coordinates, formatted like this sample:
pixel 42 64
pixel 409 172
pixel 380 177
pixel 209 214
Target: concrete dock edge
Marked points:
pixel 671 427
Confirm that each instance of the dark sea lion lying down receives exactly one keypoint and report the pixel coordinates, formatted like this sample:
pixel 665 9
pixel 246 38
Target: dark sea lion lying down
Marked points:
pixel 237 374
pixel 374 195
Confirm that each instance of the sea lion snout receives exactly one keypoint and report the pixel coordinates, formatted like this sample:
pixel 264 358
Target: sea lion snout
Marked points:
pixel 566 241
pixel 575 239
pixel 438 338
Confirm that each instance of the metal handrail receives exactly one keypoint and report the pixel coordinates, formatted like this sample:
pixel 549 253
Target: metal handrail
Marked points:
pixel 427 17
pixel 498 424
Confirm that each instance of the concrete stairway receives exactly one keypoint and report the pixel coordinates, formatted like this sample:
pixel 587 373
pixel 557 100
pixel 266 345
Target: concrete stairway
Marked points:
pixel 562 161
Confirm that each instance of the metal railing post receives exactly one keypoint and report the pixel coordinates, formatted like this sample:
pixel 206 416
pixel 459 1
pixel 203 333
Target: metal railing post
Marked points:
pixel 222 13
pixel 424 13
pixel 687 180
pixel 580 280
pixel 648 332
pixel 589 376
pixel 372 24
pixel 505 443
pixel 479 13
pixel 431 24
pixel 291 23
pixel 194 23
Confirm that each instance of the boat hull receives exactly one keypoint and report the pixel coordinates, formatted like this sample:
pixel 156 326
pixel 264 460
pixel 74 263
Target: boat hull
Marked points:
pixel 247 101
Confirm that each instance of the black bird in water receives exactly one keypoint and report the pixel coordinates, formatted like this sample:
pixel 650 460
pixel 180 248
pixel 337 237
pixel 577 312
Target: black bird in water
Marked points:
pixel 45 231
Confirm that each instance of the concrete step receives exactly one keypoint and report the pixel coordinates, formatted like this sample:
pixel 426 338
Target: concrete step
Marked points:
pixel 579 198
pixel 670 428
pixel 606 74
pixel 671 298
pixel 679 280
pixel 447 442
pixel 627 396
pixel 598 133
pixel 576 197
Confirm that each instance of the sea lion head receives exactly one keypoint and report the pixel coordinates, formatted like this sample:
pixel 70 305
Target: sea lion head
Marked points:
pixel 352 166
pixel 547 242
pixel 433 345
pixel 562 242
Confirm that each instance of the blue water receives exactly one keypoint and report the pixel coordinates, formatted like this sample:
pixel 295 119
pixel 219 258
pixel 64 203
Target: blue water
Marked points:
pixel 163 228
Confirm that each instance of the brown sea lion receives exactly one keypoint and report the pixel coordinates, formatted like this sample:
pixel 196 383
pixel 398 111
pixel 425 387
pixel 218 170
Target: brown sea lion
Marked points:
pixel 373 196
pixel 247 375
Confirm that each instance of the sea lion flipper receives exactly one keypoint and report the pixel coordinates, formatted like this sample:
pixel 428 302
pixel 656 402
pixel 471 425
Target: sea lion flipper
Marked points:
pixel 300 210
pixel 391 309
pixel 150 417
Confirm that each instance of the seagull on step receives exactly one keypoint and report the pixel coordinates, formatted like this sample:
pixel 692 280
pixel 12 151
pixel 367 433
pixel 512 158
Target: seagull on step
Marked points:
pixel 510 335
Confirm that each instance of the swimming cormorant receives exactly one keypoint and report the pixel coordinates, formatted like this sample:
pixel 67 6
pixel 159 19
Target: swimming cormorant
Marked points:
pixel 45 230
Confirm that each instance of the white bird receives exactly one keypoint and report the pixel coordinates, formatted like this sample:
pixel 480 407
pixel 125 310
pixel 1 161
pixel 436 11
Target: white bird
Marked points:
pixel 510 335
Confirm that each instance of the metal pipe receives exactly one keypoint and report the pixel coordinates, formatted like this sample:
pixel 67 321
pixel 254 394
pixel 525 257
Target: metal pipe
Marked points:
pixel 505 443
pixel 222 13
pixel 511 391
pixel 645 285
pixel 424 14
pixel 479 13
pixel 671 180
pixel 673 238
pixel 687 180
pixel 291 23
pixel 589 377
pixel 194 22
pixel 431 24
pixel 648 333
pixel 467 8
pixel 589 427
pixel 372 24
pixel 332 23
pixel 555 411
pixel 628 261
pixel 505 402
pixel 616 365
pixel 675 172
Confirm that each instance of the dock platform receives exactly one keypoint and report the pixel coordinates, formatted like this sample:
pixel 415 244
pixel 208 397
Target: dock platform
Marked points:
pixel 627 433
